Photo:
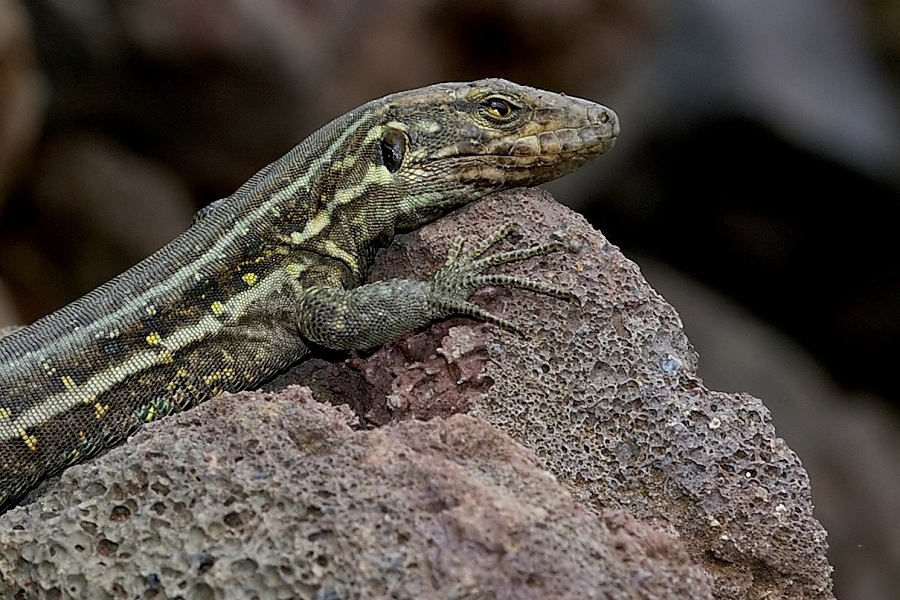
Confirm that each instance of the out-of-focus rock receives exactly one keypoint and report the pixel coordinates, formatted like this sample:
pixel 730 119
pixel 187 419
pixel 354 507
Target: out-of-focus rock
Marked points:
pixel 214 90
pixel 8 314
pixel 604 393
pixel 569 45
pixel 97 208
pixel 112 190
pixel 21 107
pixel 107 203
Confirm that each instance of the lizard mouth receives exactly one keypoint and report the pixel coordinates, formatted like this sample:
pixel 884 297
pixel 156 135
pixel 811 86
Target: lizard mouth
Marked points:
pixel 533 150
pixel 532 168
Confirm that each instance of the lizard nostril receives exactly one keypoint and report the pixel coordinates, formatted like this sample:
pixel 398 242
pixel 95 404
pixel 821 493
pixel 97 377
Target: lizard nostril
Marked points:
pixel 609 119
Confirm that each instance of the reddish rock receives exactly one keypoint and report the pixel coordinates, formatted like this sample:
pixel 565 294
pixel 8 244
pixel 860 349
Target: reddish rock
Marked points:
pixel 659 487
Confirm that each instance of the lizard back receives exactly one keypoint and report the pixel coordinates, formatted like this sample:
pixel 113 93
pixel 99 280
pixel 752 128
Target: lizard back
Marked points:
pixel 215 310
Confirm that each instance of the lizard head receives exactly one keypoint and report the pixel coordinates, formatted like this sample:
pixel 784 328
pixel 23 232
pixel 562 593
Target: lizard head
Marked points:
pixel 450 143
pixel 401 161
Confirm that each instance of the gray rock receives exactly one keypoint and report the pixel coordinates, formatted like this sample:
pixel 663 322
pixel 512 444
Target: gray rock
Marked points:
pixel 660 487
pixel 256 496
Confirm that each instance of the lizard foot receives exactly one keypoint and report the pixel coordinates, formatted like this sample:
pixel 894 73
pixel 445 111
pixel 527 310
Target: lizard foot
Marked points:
pixel 463 274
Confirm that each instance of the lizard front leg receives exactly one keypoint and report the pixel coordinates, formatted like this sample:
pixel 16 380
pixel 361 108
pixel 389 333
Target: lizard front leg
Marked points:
pixel 378 312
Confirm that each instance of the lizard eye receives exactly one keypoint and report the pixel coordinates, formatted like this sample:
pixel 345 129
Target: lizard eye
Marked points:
pixel 392 148
pixel 498 108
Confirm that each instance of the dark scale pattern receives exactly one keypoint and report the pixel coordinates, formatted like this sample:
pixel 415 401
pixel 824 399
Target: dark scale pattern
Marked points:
pixel 214 310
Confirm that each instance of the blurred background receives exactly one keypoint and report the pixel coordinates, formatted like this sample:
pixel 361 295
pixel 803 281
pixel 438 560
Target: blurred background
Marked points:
pixel 756 181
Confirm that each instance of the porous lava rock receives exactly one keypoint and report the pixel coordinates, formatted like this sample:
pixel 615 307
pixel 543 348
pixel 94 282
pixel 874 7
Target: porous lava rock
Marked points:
pixel 276 496
pixel 654 487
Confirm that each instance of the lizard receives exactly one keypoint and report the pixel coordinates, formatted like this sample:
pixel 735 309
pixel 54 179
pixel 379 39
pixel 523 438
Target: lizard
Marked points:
pixel 268 274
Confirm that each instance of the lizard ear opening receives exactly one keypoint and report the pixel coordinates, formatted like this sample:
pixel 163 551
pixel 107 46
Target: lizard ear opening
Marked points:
pixel 392 149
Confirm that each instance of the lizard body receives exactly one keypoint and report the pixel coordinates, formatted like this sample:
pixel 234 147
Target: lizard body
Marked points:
pixel 279 264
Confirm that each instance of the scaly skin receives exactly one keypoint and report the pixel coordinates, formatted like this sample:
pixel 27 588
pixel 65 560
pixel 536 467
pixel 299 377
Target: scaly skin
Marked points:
pixel 278 264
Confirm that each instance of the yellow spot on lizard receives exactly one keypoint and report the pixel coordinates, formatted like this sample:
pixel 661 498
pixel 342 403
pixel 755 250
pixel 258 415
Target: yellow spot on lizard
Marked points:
pixel 154 339
pixel 29 440
pixel 5 413
pixel 100 410
pixel 165 357
pixel 219 375
pixel 250 278
pixel 217 308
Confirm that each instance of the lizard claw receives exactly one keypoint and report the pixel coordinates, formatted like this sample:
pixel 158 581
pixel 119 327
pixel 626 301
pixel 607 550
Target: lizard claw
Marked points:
pixel 463 274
